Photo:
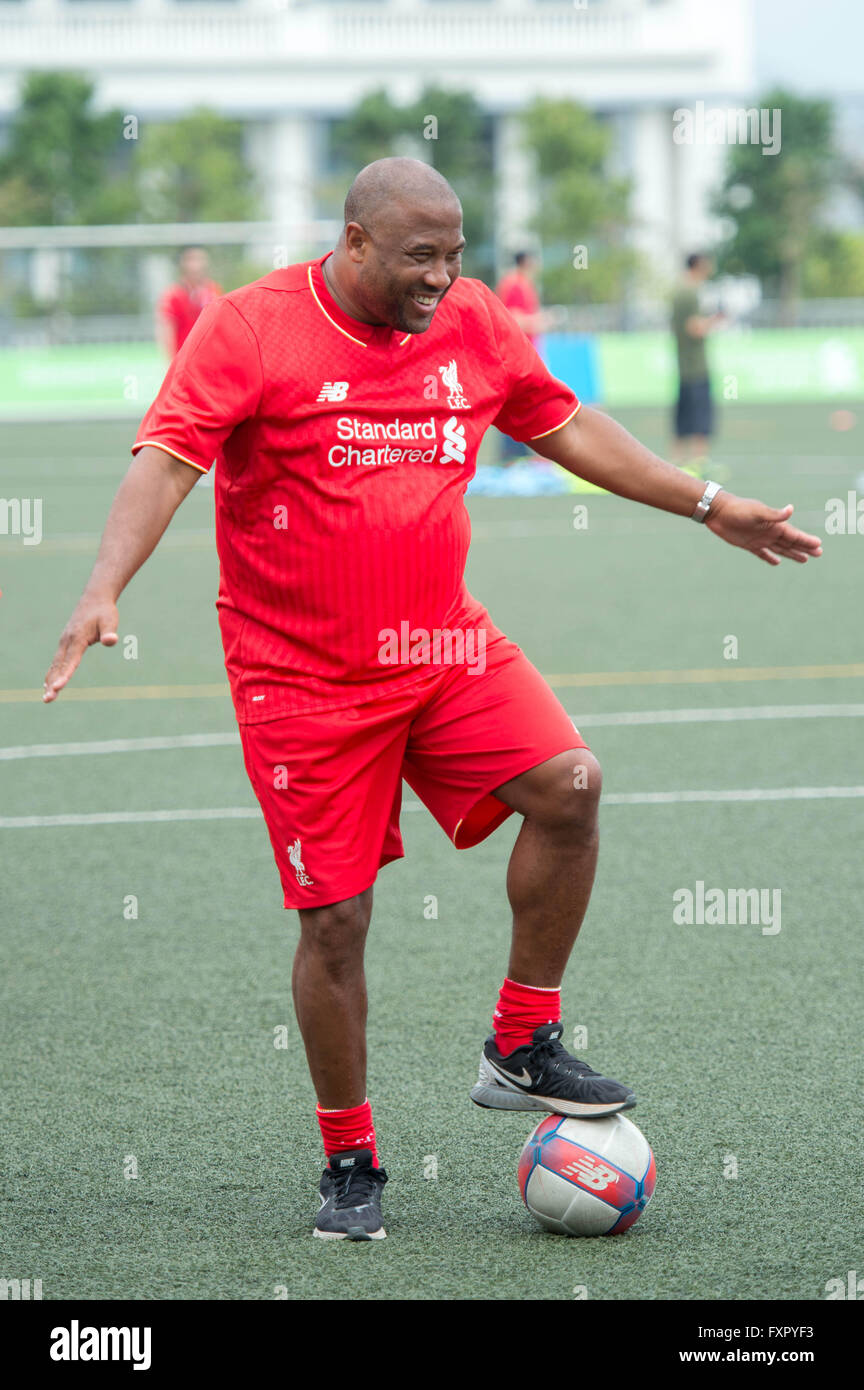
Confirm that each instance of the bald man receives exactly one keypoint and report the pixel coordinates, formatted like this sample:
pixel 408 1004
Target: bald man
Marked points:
pixel 346 399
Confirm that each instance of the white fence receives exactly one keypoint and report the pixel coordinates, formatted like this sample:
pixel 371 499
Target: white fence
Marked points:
pixel 40 33
pixel 64 328
pixel 58 38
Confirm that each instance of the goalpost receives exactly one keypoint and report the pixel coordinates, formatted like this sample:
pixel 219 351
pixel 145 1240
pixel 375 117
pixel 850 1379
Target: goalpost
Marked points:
pixel 77 306
pixel 101 283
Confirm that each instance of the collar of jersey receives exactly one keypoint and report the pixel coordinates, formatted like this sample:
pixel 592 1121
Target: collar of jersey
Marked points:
pixel 362 333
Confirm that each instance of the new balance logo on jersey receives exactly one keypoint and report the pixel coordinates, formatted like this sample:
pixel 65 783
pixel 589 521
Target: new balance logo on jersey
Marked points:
pixel 294 853
pixel 450 377
pixel 591 1174
pixel 333 391
pixel 454 442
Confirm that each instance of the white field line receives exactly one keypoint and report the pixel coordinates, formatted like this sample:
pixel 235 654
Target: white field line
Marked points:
pixel 613 799
pixel 721 716
pixel 129 817
pixel 118 745
pixel 585 721
pixel 637 717
pixel 744 794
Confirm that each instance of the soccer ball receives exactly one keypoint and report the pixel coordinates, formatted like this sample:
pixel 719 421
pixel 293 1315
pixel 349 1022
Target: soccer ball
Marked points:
pixel 586 1177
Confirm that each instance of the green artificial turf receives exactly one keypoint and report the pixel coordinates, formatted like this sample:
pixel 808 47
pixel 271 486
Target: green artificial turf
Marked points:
pixel 152 1039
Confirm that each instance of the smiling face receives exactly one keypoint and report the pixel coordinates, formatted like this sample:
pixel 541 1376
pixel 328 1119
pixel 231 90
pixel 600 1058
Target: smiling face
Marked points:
pixel 403 268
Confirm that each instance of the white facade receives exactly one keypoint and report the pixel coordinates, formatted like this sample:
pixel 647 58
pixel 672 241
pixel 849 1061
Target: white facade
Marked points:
pixel 282 66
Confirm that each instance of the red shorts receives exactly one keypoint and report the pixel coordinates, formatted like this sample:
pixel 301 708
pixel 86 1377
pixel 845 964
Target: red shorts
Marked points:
pixel 330 783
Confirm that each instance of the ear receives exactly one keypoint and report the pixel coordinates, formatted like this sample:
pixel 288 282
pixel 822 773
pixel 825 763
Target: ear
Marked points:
pixel 356 241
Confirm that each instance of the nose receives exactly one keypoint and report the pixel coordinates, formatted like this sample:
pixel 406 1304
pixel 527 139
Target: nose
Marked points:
pixel 436 276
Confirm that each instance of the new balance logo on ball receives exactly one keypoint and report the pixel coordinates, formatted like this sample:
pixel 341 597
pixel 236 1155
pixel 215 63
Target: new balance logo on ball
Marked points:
pixel 595 1175
pixel 333 391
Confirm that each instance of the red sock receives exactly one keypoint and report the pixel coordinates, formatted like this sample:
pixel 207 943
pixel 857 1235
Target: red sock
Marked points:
pixel 521 1009
pixel 342 1130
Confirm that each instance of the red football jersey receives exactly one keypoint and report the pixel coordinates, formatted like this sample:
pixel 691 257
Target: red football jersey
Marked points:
pixel 344 453
pixel 181 304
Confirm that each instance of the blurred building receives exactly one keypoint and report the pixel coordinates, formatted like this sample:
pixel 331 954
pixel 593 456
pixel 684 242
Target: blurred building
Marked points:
pixel 287 67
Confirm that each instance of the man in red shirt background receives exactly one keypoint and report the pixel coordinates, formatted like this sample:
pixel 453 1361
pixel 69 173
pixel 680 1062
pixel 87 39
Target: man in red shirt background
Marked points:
pixel 518 292
pixel 180 305
pixel 346 399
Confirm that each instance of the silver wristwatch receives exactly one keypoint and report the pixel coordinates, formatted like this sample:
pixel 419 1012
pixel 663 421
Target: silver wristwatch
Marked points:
pixel 703 506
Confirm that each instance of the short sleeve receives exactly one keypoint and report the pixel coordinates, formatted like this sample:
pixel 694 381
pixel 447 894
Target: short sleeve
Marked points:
pixel 536 403
pixel 212 385
pixel 168 306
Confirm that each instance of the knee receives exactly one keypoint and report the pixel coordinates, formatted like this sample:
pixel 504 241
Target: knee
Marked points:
pixel 336 934
pixel 573 792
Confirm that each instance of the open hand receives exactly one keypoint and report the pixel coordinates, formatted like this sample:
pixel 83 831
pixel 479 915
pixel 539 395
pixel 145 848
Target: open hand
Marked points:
pixel 94 620
pixel 763 530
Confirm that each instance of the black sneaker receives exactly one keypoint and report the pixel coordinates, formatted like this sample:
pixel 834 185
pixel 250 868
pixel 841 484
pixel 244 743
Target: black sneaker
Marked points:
pixel 351 1198
pixel 543 1076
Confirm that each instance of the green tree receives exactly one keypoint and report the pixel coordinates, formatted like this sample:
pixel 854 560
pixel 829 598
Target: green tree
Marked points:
pixel 834 266
pixel 370 131
pixel 193 170
pixel 455 134
pixel 774 202
pixel 447 129
pixel 64 163
pixel 579 204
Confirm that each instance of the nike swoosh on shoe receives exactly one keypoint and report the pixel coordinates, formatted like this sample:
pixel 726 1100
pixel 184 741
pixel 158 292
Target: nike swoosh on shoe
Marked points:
pixel 524 1081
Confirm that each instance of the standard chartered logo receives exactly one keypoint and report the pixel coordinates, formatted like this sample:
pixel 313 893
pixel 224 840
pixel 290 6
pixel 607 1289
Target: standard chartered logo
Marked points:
pixel 371 443
pixel 454 442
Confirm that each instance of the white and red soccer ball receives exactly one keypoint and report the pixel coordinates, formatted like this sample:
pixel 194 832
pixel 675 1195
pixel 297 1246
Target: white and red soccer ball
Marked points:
pixel 586 1177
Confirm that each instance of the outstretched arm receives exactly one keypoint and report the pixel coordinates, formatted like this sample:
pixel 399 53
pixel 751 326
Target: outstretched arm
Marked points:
pixel 597 448
pixel 146 500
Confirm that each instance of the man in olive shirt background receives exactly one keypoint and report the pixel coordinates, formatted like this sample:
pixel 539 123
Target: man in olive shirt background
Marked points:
pixel 694 412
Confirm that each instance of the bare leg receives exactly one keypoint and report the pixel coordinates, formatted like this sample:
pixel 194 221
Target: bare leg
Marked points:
pixel 551 869
pixel 329 988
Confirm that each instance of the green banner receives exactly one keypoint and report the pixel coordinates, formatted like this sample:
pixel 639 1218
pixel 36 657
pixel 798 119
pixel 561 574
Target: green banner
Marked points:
pixel 765 365
pixel 92 381
pixel 120 379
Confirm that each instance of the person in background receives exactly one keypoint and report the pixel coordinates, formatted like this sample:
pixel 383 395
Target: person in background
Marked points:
pixel 694 411
pixel 517 291
pixel 181 304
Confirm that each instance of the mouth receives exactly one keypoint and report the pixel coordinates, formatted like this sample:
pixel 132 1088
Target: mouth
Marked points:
pixel 426 303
